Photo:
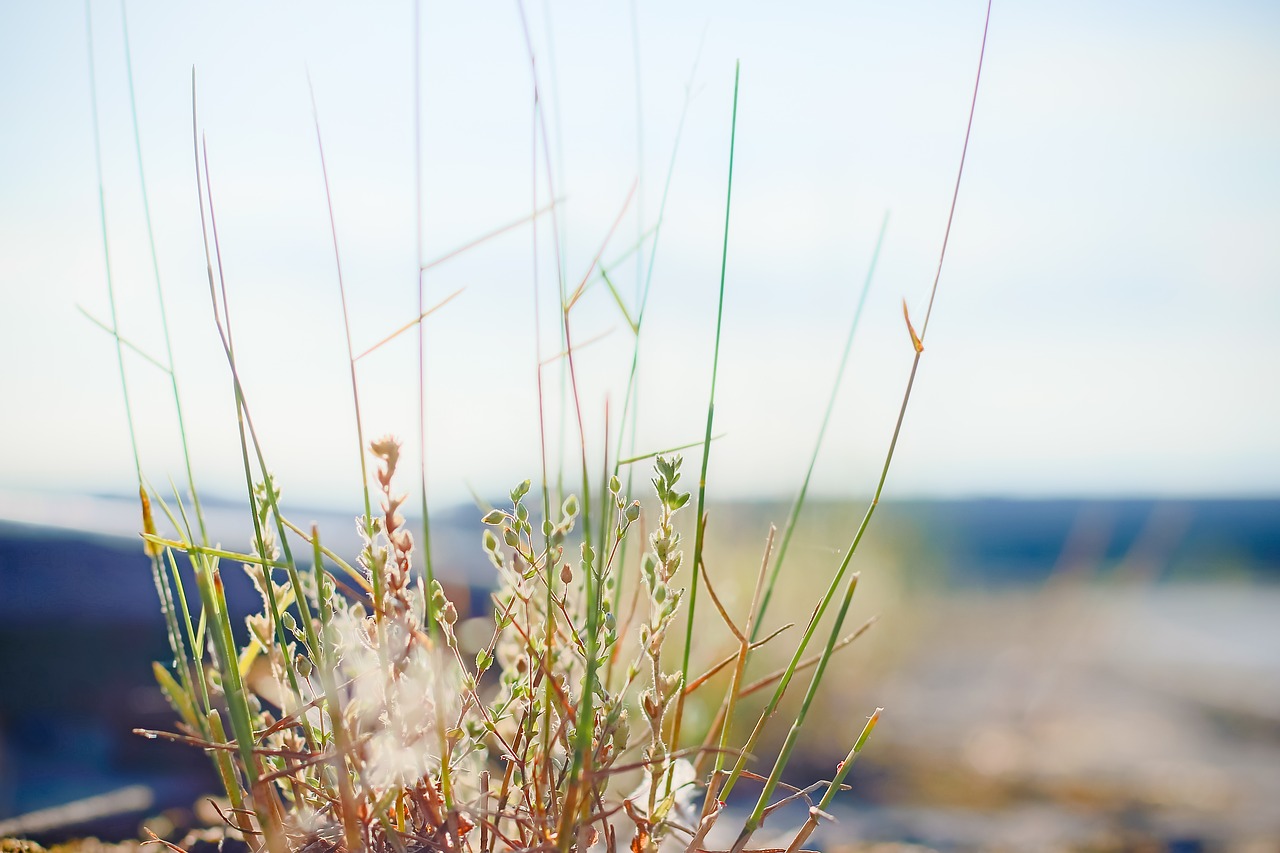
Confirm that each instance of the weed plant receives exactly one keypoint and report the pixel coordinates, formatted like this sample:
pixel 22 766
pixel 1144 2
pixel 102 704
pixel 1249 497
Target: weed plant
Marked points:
pixel 351 719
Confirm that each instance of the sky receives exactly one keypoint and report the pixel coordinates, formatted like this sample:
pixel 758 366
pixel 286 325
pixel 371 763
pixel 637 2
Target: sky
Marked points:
pixel 1105 319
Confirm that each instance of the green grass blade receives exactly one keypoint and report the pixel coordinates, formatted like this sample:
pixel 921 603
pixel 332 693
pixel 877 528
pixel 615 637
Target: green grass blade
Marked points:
pixel 137 350
pixel 753 822
pixel 155 266
pixel 622 306
pixel 706 443
pixel 427 564
pixel 327 665
pixel 629 402
pixel 798 505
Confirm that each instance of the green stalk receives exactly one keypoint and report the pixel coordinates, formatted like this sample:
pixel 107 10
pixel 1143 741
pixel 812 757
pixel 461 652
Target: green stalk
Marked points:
pixel 351 359
pixel 591 587
pixel 210 583
pixel 153 553
pixel 845 766
pixel 264 807
pixel 196 654
pixel 168 609
pixel 540 128
pixel 753 822
pixel 785 753
pixel 842 770
pixel 798 505
pixel 244 426
pixel 629 394
pixel 176 643
pixel 635 411
pixel 427 566
pixel 561 232
pixel 106 248
pixel 222 760
pixel 327 664
pixel 155 266
pixel 706 442
pixel 586 711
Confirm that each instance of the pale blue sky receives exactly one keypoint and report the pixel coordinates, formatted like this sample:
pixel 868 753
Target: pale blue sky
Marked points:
pixel 1105 323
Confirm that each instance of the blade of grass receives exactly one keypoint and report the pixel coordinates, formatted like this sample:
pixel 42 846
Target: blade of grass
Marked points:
pixel 486 237
pixel 629 405
pixel 209 581
pixel 583 732
pixel 617 297
pixel 630 460
pixel 706 443
pixel 351 357
pixel 544 770
pixel 539 130
pixel 784 753
pixel 137 350
pixel 106 245
pixel 416 321
pixel 428 566
pixel 842 770
pixel 155 267
pixel 653 249
pixel 327 665
pixel 154 554
pixel 249 436
pixel 798 505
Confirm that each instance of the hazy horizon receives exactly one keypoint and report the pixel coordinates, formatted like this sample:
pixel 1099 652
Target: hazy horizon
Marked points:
pixel 1103 325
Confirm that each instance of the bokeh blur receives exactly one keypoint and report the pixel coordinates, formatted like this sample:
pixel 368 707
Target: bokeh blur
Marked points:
pixel 1075 572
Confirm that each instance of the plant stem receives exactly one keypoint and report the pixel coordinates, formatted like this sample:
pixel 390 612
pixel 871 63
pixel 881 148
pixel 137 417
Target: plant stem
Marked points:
pixel 706 442
pixel 798 505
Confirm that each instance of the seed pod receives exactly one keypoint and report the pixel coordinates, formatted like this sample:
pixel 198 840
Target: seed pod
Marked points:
pixel 622 733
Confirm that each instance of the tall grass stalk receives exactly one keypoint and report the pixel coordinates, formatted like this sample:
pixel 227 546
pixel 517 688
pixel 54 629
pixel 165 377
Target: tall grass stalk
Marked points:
pixel 427 564
pixel 700 530
pixel 155 268
pixel 784 754
pixel 798 506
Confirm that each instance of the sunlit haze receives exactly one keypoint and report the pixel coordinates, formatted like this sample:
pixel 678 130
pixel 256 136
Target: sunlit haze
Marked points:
pixel 1105 320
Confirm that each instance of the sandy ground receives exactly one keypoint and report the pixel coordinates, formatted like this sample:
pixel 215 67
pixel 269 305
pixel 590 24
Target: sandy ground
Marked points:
pixel 1123 717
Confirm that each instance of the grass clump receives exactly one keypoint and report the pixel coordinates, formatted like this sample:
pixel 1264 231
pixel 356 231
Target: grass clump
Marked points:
pixel 353 721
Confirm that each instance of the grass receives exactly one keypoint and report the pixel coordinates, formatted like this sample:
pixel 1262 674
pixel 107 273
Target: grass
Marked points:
pixel 356 722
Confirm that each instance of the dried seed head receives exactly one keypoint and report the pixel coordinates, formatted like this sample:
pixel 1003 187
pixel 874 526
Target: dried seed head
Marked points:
pixel 386 448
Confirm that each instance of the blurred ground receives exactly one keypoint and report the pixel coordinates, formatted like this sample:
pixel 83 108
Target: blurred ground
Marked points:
pixel 1119 690
pixel 1055 677
pixel 1081 719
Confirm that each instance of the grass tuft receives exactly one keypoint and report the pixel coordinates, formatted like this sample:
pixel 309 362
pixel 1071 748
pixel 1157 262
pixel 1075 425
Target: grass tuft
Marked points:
pixel 356 721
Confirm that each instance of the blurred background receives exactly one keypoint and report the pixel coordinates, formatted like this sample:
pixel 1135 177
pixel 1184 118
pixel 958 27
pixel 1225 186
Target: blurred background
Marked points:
pixel 1075 569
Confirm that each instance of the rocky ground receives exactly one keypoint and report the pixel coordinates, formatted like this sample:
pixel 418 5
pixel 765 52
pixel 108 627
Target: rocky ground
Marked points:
pixel 1080 718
